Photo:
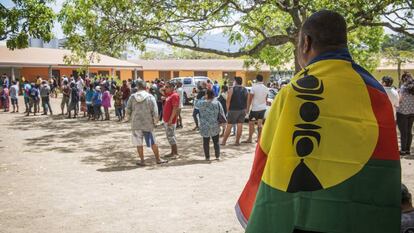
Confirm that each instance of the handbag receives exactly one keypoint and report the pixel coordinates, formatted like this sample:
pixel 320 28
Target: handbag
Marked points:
pixel 221 118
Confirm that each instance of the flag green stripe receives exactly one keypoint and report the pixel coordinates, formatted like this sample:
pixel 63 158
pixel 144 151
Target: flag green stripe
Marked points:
pixel 367 202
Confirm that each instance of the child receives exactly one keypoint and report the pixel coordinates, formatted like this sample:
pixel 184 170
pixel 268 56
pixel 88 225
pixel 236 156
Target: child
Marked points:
pixel 106 102
pixel 88 99
pixel 97 102
pixel 5 98
pixel 118 103
pixel 83 102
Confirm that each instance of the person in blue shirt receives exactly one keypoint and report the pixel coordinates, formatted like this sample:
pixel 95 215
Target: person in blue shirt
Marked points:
pixel 97 102
pixel 88 99
pixel 216 89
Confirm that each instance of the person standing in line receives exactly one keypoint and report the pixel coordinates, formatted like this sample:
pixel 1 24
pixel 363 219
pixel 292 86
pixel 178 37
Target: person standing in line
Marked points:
pixel 258 101
pixel 201 92
pixel 209 125
pixel 180 92
pixel 142 112
pixel 97 102
pixel 74 100
pixel 5 97
pixel 33 98
pixel 88 98
pixel 170 108
pixel 118 103
pixel 236 109
pixel 82 97
pixel 26 95
pixel 65 97
pixel 106 102
pixel 14 94
pixel 223 99
pixel 44 95
pixel 405 113
pixel 216 89
pixel 126 92
pixel 391 92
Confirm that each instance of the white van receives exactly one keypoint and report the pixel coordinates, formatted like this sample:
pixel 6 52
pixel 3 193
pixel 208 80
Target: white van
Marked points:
pixel 189 83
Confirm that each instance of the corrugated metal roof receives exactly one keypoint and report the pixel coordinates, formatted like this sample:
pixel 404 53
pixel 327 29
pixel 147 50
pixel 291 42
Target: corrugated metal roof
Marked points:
pixel 54 57
pixel 199 65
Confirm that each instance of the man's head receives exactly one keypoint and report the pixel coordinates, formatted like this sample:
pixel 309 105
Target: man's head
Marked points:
pixel 141 85
pixel 406 202
pixel 323 31
pixel 238 80
pixel 179 84
pixel 259 78
pixel 387 81
pixel 169 87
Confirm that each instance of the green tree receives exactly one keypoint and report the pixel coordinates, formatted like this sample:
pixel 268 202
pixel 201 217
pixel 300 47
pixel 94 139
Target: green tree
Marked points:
pixel 399 49
pixel 27 18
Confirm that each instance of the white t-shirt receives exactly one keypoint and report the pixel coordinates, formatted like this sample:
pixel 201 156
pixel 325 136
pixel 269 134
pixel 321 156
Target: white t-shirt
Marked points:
pixel 393 96
pixel 180 92
pixel 260 92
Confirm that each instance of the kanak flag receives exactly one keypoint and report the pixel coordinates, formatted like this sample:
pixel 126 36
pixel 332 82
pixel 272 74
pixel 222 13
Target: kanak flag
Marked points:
pixel 328 159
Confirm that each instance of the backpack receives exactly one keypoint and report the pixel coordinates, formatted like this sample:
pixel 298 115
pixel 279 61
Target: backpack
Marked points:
pixel 33 92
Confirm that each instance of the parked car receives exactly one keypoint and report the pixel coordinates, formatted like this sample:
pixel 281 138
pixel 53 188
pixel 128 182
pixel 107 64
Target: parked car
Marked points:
pixel 189 83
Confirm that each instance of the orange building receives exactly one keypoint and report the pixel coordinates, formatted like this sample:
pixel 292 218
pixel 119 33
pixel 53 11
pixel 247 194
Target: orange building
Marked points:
pixel 215 69
pixel 33 62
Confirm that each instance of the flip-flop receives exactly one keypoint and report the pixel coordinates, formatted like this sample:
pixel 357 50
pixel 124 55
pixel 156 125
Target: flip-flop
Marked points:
pixel 142 164
pixel 247 141
pixel 162 161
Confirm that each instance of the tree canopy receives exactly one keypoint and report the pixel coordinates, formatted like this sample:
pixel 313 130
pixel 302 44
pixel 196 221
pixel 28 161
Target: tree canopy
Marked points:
pixel 266 30
pixel 27 18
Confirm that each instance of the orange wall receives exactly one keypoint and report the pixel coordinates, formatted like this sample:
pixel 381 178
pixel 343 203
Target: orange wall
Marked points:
pixel 150 75
pixel 215 74
pixel 30 73
pixel 126 74
pixel 185 73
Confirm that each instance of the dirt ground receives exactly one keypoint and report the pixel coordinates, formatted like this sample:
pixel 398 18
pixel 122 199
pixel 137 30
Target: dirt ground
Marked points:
pixel 71 175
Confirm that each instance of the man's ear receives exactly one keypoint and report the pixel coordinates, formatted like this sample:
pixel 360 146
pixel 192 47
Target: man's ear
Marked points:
pixel 307 44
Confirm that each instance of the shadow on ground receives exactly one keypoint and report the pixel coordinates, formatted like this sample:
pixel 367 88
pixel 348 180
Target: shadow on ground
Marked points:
pixel 108 143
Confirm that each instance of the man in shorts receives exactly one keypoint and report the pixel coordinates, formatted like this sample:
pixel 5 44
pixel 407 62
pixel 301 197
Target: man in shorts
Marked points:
pixel 258 101
pixel 169 116
pixel 236 109
pixel 14 92
pixel 142 112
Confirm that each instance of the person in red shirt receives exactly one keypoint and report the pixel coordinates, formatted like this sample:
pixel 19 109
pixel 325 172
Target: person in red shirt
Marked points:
pixel 170 109
pixel 126 92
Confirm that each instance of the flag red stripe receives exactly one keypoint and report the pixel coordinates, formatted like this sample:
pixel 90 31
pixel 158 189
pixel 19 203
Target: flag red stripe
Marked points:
pixel 387 145
pixel 248 196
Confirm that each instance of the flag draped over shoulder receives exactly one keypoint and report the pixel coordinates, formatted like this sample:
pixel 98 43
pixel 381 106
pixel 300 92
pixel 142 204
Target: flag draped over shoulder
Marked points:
pixel 327 160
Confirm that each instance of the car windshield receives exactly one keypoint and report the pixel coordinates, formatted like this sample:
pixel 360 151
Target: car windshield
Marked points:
pixel 187 81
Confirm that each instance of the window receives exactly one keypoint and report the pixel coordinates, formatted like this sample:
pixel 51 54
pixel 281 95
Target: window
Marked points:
pixel 200 73
pixel 118 74
pixel 166 75
pixel 187 81
pixel 176 74
pixel 229 76
pixel 103 73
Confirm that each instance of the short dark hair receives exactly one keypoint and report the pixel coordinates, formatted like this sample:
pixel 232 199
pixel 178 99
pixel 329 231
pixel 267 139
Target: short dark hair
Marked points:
pixel 210 94
pixel 238 80
pixel 387 80
pixel 259 78
pixel 171 84
pixel 326 29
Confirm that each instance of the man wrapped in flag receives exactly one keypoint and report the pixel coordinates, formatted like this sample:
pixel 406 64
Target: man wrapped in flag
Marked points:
pixel 327 160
